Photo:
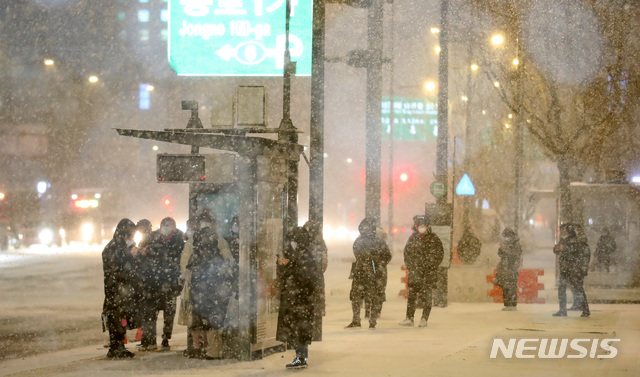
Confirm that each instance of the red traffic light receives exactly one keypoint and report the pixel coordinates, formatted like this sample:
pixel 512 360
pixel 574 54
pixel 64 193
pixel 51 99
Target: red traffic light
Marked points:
pixel 166 202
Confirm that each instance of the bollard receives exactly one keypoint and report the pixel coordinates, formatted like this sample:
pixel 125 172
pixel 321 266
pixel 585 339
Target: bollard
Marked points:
pixel 528 287
pixel 405 279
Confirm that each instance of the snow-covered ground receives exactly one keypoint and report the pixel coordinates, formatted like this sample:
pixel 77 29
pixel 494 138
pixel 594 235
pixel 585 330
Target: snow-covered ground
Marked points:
pixel 50 325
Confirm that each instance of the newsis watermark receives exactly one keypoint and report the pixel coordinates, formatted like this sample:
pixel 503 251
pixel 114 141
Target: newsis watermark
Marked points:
pixel 554 348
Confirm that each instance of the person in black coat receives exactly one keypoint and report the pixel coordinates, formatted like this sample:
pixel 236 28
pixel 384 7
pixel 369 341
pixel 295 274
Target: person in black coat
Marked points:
pixel 510 253
pixel 573 262
pixel 211 287
pixel 423 254
pixel 164 253
pixel 605 247
pixel 319 251
pixel 297 273
pixel 369 277
pixel 149 285
pixel 120 281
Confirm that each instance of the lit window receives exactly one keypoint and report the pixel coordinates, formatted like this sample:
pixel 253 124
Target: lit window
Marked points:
pixel 144 35
pixel 143 1
pixel 164 34
pixel 143 15
pixel 144 97
pixel 164 15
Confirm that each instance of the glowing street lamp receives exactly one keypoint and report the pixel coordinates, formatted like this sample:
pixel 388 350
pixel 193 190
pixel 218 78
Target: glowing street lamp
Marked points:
pixel 93 79
pixel 434 30
pixel 474 67
pixel 48 62
pixel 430 86
pixel 497 40
pixel 516 61
pixel 437 49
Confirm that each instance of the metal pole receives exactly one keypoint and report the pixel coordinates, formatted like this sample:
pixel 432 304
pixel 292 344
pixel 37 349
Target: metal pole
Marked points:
pixel 287 132
pixel 391 126
pixel 467 140
pixel 519 138
pixel 316 165
pixel 443 102
pixel 373 129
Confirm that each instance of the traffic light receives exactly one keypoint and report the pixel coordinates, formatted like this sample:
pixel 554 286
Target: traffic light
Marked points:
pixel 166 202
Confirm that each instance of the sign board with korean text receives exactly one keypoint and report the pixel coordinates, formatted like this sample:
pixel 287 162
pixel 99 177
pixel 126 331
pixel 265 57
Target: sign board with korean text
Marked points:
pixel 414 119
pixel 238 37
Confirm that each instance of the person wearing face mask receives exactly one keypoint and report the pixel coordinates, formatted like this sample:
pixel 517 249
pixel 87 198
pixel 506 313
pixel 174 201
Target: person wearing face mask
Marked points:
pixel 369 278
pixel 510 253
pixel 120 282
pixel 423 254
pixel 297 272
pixel 573 262
pixel 165 250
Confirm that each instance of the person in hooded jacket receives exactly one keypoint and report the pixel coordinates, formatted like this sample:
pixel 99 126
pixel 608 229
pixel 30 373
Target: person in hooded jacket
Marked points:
pixel 149 285
pixel 573 262
pixel 583 243
pixel 165 250
pixel 297 272
pixel 369 278
pixel 211 288
pixel 510 253
pixel 120 281
pixel 423 254
pixel 319 251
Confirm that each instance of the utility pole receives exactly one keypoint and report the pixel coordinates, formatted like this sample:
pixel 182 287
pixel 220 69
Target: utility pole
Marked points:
pixel 391 126
pixel 316 165
pixel 373 129
pixel 442 159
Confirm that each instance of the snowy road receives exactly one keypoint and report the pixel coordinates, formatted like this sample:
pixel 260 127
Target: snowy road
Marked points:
pixel 51 302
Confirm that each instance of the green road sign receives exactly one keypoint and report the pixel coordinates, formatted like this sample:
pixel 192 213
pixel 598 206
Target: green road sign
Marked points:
pixel 237 37
pixel 413 119
pixel 438 189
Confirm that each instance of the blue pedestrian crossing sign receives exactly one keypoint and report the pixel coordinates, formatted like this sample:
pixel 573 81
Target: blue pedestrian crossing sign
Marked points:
pixel 465 187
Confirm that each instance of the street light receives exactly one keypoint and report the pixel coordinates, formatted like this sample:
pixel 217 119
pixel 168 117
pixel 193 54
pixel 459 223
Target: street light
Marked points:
pixel 437 49
pixel 434 30
pixel 516 61
pixel 497 40
pixel 93 79
pixel 430 86
pixel 48 62
pixel 474 67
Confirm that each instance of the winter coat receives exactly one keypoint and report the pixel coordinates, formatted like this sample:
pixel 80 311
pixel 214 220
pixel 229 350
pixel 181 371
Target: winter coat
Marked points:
pixel 211 278
pixel 423 254
pixel 164 262
pixel 319 251
pixel 604 248
pixel 121 281
pixel 298 281
pixel 573 259
pixel 510 254
pixel 372 256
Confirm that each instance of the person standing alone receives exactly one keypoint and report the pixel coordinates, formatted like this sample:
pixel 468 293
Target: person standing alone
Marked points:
pixel 423 254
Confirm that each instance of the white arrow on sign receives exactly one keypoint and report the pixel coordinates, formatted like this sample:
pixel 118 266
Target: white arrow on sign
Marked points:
pixel 226 52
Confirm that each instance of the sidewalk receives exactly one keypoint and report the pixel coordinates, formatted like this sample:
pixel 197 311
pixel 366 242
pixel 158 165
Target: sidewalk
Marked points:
pixel 457 342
